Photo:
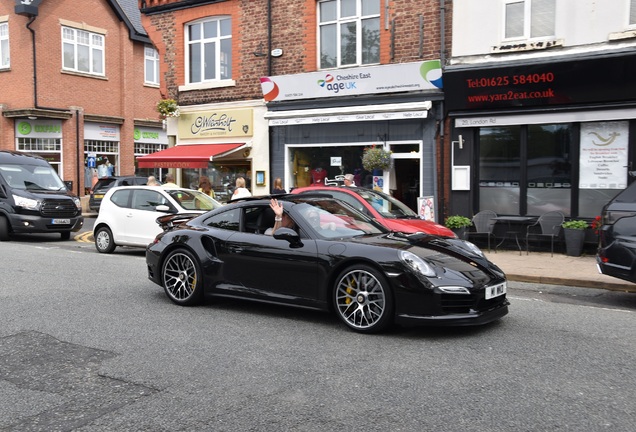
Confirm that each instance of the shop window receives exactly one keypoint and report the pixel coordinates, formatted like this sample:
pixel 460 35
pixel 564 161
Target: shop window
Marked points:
pixel 48 148
pixel 529 19
pixel 83 51
pixel 209 50
pixel 151 65
pixel 500 169
pixel 549 182
pixel 4 45
pixel 526 170
pixel 349 32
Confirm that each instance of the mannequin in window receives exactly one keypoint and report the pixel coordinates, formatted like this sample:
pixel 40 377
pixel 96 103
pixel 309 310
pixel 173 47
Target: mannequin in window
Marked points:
pixel 318 176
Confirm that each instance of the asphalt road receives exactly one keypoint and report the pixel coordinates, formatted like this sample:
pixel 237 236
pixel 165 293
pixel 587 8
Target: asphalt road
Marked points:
pixel 87 343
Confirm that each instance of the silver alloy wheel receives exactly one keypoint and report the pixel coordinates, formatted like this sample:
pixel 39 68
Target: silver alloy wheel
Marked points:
pixel 180 276
pixel 360 299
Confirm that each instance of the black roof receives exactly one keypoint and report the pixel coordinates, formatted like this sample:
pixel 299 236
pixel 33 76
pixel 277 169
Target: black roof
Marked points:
pixel 128 12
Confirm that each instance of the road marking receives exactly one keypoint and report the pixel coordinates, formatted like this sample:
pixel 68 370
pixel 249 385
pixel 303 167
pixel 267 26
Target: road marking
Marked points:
pixel 86 237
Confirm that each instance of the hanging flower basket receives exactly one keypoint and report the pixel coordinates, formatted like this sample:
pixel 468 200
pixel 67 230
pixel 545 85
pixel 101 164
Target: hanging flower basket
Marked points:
pixel 376 158
pixel 168 108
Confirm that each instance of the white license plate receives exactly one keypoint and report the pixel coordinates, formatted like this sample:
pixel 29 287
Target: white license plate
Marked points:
pixel 495 290
pixel 61 222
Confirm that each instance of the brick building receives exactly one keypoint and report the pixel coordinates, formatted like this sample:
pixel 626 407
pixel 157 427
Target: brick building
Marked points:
pixel 305 86
pixel 79 86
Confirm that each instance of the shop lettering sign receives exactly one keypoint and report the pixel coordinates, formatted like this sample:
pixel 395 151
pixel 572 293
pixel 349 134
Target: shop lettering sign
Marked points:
pixel 217 124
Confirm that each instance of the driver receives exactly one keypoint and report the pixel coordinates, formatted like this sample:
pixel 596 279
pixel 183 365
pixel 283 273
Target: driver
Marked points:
pixel 281 219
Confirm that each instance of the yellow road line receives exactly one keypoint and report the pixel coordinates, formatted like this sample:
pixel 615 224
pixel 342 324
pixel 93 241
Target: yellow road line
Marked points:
pixel 85 237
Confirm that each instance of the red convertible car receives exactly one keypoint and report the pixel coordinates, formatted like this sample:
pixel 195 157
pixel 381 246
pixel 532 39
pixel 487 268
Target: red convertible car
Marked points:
pixel 388 211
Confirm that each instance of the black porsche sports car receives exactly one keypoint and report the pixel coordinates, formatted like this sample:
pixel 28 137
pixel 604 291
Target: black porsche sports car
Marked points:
pixel 330 257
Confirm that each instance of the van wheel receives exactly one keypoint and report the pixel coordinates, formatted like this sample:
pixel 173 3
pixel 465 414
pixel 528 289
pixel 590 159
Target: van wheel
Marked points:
pixel 104 242
pixel 4 229
pixel 66 235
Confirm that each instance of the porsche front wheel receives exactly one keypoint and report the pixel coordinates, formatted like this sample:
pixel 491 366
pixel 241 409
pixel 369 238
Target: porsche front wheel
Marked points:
pixel 363 300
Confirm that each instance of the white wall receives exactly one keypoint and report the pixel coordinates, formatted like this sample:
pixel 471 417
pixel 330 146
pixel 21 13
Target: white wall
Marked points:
pixel 580 24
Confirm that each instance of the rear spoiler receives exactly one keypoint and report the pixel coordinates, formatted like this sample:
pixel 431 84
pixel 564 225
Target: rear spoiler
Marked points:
pixel 170 221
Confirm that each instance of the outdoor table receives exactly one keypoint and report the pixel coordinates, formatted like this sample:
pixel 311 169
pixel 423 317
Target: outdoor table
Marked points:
pixel 514 225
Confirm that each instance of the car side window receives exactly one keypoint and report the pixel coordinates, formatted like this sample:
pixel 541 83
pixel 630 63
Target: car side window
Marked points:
pixel 147 200
pixel 351 200
pixel 121 198
pixel 228 220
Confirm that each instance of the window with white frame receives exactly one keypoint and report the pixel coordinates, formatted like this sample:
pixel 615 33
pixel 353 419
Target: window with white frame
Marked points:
pixel 83 51
pixel 529 19
pixel 151 65
pixel 4 45
pixel 348 32
pixel 209 50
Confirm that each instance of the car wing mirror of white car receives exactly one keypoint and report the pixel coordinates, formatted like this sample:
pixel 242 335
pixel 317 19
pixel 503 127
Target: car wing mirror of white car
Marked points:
pixel 162 208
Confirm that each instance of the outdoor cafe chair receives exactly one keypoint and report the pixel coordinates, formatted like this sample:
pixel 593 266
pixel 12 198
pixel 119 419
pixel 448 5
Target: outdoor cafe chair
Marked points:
pixel 484 224
pixel 549 227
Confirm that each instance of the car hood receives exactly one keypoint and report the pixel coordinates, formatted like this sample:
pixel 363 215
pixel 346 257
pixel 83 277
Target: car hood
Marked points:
pixel 415 225
pixel 452 254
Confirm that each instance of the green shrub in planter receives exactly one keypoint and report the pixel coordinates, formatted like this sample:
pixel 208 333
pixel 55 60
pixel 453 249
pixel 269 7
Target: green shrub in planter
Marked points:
pixel 457 222
pixel 575 224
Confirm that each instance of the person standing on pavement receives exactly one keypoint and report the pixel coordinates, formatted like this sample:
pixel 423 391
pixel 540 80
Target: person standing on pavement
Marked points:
pixel 170 184
pixel 241 191
pixel 152 181
pixel 278 187
pixel 349 180
pixel 206 187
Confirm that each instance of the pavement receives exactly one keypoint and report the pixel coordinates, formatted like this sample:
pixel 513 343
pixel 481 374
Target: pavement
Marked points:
pixel 540 267
pixel 560 269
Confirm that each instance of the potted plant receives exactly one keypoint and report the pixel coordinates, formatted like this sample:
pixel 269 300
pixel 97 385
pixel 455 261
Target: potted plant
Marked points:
pixel 376 158
pixel 574 232
pixel 168 108
pixel 458 224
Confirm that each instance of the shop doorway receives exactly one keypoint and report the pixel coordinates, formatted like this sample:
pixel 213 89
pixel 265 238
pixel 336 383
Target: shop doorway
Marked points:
pixel 405 181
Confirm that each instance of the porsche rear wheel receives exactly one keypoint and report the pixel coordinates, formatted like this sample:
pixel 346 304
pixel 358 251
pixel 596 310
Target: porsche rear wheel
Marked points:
pixel 182 279
pixel 363 300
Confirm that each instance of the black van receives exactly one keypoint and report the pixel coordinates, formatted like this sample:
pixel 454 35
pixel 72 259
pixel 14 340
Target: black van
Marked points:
pixel 33 198
pixel 616 254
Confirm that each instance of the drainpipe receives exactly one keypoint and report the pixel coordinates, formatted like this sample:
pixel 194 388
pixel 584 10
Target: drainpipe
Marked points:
pixel 269 38
pixel 442 60
pixel 35 69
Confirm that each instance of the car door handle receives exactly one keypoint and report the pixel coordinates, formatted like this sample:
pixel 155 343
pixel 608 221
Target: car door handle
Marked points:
pixel 235 249
pixel 129 215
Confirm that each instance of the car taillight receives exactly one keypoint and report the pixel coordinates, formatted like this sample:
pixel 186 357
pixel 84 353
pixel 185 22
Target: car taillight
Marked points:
pixel 610 217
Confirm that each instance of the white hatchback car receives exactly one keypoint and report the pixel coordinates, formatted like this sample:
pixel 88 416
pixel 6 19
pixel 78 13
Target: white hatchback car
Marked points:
pixel 128 214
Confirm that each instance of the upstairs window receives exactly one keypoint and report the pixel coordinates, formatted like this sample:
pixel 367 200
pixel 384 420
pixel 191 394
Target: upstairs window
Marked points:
pixel 209 50
pixel 83 51
pixel 529 19
pixel 151 65
pixel 349 32
pixel 4 45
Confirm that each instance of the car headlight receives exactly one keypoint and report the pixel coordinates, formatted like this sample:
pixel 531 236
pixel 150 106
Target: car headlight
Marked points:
pixel 417 264
pixel 26 203
pixel 78 203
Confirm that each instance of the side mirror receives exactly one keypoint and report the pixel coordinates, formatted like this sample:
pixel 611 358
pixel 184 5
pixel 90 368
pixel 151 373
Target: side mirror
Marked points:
pixel 68 184
pixel 288 235
pixel 163 208
pixel 3 193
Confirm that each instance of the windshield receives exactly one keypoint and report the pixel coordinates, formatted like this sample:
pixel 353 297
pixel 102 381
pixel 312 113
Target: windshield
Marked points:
pixel 32 177
pixel 386 205
pixel 335 219
pixel 193 200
